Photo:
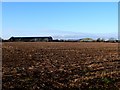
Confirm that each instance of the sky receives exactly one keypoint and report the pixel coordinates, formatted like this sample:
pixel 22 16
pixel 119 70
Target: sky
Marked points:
pixel 61 20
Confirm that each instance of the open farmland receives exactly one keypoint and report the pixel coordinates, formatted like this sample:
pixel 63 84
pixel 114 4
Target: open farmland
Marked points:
pixel 60 65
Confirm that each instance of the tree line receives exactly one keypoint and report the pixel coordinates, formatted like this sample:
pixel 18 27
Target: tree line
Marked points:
pixel 113 40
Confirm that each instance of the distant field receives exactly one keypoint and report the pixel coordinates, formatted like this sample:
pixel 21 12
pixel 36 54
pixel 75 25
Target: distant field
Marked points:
pixel 60 65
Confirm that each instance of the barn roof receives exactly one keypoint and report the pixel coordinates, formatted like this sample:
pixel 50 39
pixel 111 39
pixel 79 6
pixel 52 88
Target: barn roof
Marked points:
pixel 29 37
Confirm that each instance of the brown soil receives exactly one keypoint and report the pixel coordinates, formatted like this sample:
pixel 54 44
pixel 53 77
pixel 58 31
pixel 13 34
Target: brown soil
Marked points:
pixel 60 65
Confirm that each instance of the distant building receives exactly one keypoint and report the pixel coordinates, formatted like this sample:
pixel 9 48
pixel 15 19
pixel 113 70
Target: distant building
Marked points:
pixel 30 39
pixel 86 40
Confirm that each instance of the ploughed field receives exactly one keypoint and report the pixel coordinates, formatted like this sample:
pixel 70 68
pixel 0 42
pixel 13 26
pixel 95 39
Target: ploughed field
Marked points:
pixel 60 65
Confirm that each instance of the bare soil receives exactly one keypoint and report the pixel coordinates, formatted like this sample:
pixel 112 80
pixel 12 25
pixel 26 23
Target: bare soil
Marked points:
pixel 60 66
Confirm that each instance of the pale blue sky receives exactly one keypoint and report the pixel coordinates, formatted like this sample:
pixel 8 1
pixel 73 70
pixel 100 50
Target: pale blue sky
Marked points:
pixel 60 20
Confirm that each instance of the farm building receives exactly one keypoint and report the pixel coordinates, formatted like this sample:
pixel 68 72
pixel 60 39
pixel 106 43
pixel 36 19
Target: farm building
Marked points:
pixel 86 40
pixel 30 39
